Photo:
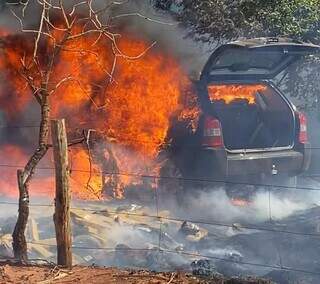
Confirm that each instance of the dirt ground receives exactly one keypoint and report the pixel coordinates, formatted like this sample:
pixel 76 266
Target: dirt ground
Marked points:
pixel 12 273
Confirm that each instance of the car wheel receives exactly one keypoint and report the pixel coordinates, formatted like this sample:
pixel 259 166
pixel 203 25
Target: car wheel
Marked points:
pixel 242 187
pixel 240 191
pixel 170 184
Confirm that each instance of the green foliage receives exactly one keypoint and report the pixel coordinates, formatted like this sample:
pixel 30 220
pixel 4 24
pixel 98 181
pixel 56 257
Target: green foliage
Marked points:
pixel 299 19
pixel 212 20
pixel 303 83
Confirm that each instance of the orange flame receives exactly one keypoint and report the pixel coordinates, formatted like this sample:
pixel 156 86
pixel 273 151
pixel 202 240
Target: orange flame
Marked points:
pixel 135 105
pixel 240 202
pixel 14 94
pixel 233 92
pixel 84 177
pixel 132 106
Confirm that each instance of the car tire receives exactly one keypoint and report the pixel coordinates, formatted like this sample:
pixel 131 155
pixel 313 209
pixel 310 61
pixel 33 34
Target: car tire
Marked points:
pixel 170 184
pixel 242 187
pixel 240 191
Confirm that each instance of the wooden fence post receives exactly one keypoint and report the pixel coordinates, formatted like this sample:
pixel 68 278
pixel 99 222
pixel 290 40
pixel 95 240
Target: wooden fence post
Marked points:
pixel 62 200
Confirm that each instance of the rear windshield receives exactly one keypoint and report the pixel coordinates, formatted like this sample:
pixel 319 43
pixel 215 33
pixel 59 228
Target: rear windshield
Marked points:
pixel 246 61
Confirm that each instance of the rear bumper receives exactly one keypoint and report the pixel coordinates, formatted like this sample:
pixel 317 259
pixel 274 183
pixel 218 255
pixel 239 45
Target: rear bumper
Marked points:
pixel 289 162
pixel 219 163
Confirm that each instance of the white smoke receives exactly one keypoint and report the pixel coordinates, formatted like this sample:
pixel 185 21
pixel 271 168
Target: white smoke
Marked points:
pixel 264 205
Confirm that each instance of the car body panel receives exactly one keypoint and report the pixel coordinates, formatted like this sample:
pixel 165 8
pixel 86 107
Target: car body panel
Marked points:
pixel 221 163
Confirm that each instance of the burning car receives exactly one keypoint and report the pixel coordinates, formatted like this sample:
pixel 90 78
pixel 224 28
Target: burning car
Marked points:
pixel 249 131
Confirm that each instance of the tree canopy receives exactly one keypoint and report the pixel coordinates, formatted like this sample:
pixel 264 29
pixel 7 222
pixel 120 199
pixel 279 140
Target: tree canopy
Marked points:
pixel 213 20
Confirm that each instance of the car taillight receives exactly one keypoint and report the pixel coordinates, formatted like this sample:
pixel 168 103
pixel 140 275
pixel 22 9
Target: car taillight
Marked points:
pixel 212 133
pixel 303 136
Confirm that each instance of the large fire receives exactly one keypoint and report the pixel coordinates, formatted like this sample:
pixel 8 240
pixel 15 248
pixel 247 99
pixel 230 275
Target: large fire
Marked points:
pixel 130 109
pixel 233 92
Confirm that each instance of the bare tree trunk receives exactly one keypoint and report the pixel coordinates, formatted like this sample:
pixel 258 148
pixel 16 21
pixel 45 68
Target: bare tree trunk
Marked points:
pixel 19 243
pixel 24 177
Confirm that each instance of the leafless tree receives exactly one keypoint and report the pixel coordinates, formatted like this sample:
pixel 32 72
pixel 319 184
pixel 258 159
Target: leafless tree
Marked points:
pixel 38 73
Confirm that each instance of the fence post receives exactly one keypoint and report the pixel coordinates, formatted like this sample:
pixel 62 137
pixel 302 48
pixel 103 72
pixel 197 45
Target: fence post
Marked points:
pixel 62 200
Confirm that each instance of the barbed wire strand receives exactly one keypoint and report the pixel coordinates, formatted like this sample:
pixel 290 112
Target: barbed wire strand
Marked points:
pixel 209 181
pixel 156 143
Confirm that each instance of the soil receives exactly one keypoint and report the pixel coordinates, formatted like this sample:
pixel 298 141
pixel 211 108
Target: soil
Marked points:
pixel 13 273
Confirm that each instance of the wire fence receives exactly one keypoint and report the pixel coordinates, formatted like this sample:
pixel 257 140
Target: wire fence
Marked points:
pixel 155 143
pixel 158 244
pixel 164 177
pixel 200 222
pixel 159 248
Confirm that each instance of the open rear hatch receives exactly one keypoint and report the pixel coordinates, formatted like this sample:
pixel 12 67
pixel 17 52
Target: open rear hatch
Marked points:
pixel 255 59
pixel 235 88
